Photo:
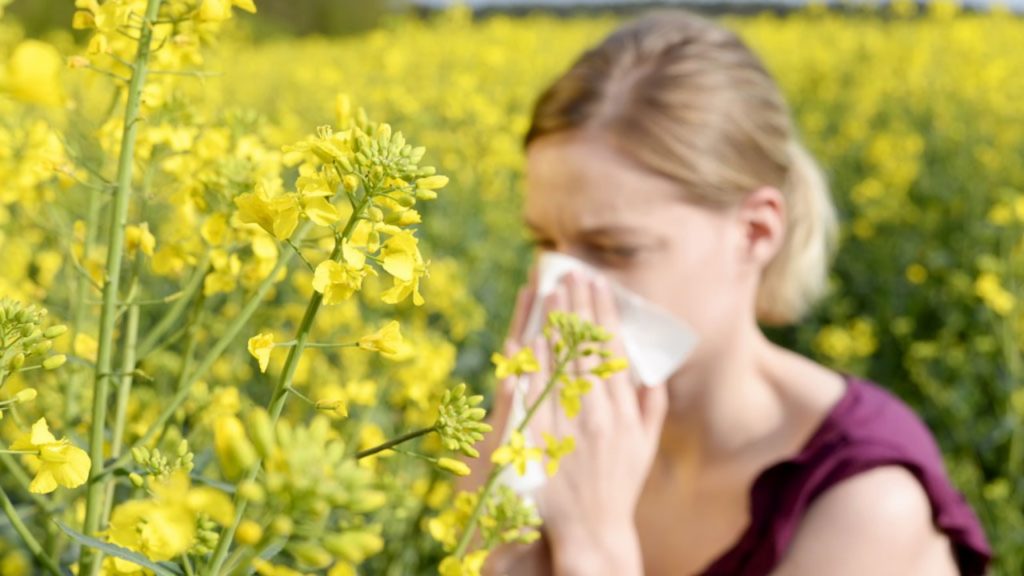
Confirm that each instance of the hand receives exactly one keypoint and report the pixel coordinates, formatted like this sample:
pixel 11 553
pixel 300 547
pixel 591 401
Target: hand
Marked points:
pixel 588 505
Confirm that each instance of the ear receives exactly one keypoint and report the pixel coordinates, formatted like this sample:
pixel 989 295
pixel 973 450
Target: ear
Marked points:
pixel 762 214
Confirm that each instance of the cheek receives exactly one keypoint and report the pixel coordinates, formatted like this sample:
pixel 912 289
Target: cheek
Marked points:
pixel 693 282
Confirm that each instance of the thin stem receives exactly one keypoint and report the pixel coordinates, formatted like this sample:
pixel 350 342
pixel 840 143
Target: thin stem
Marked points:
pixel 75 383
pixel 302 396
pixel 26 536
pixel 291 343
pixel 90 559
pixel 394 442
pixel 280 394
pixel 123 394
pixel 296 249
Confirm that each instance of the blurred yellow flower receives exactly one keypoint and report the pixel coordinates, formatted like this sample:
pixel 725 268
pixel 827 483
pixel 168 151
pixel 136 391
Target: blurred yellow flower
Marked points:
pixel 605 369
pixel 138 237
pixel 470 565
pixel 235 452
pixel 33 73
pixel 522 362
pixel 386 340
pixel 570 393
pixel 988 287
pixel 516 452
pixel 555 449
pixel 57 462
pixel 220 10
pixel 164 526
pixel 260 346
pixel 278 215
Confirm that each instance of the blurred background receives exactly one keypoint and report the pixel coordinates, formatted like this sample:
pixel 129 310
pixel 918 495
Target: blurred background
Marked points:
pixel 913 110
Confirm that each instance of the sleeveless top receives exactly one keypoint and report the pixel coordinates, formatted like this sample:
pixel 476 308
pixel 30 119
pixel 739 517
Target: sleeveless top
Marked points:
pixel 867 427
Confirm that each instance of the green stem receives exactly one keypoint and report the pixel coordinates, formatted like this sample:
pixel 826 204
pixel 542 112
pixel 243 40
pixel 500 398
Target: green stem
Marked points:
pixel 394 442
pixel 291 343
pixel 75 383
pixel 90 559
pixel 280 393
pixel 123 394
pixel 460 550
pixel 26 536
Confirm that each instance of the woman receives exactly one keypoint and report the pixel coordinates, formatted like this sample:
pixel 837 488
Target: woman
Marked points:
pixel 667 158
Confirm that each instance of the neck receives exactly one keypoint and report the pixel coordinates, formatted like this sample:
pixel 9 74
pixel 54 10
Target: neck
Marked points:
pixel 720 410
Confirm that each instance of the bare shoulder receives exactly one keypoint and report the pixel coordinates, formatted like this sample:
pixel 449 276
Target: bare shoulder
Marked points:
pixel 875 522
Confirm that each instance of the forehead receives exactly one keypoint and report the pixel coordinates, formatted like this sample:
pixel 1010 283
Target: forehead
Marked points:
pixel 584 177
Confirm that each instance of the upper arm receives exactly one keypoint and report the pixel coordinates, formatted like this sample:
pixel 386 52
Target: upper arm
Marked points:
pixel 876 522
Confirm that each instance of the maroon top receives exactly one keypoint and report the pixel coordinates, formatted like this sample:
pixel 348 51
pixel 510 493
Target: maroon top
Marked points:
pixel 868 427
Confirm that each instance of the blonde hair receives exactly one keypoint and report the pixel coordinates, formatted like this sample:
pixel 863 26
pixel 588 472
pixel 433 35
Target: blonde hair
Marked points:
pixel 687 99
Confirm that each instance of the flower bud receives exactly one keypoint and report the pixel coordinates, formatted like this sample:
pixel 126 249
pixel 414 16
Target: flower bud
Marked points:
pixel 282 526
pixel 367 501
pixel 54 361
pixel 454 466
pixel 54 331
pixel 25 395
pixel 351 182
pixel 249 533
pixel 310 553
pixel 261 430
pixel 137 480
pixel 251 491
pixel 234 451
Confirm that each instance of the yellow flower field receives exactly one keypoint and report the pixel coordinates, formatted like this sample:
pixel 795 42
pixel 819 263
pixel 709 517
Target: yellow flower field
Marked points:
pixel 250 281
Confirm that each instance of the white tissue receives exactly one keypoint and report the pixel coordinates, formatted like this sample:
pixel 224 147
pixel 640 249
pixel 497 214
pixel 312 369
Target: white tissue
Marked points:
pixel 656 345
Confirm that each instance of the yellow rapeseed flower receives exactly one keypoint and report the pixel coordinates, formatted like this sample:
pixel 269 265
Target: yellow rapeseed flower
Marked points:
pixel 278 215
pixel 164 526
pixel 609 367
pixel 522 362
pixel 400 256
pixel 386 340
pixel 570 393
pixel 516 452
pixel 59 462
pixel 555 449
pixel 260 346
pixel 470 565
pixel 337 281
pixel 138 237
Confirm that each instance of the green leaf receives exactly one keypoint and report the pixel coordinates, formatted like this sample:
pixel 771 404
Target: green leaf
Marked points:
pixel 160 568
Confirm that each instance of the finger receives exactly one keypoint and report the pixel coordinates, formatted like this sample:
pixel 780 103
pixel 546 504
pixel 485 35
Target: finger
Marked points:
pixel 581 302
pixel 621 389
pixel 524 303
pixel 540 352
pixel 653 403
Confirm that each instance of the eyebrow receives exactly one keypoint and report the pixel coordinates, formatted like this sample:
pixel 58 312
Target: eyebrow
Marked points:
pixel 593 231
